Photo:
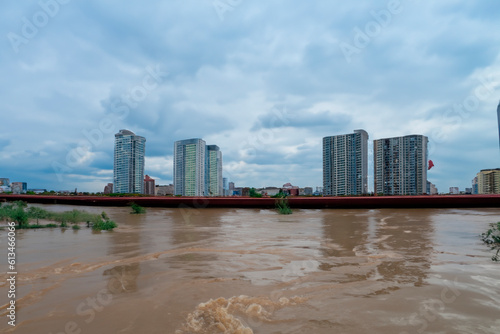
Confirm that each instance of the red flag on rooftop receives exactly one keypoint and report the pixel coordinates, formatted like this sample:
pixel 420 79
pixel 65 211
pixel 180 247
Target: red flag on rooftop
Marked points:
pixel 431 164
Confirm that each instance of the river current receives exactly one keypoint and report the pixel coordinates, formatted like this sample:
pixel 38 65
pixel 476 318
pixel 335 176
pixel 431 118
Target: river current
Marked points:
pixel 178 271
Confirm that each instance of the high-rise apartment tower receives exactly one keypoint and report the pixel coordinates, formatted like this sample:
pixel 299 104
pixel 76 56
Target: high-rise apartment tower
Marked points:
pixel 189 167
pixel 345 164
pixel 498 118
pixel 128 171
pixel 214 184
pixel 400 165
pixel 488 181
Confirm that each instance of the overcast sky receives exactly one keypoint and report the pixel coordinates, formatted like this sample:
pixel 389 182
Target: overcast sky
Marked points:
pixel 263 80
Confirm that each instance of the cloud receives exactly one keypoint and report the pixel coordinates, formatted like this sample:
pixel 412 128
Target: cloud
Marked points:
pixel 228 81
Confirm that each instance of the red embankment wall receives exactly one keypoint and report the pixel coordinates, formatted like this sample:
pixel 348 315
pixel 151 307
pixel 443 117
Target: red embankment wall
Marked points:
pixel 424 201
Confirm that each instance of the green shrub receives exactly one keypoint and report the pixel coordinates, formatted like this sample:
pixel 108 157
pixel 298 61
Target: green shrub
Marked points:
pixel 492 239
pixel 283 207
pixel 20 213
pixel 20 217
pixel 37 213
pixel 137 209
pixel 5 211
pixel 15 212
pixel 21 204
pixel 104 225
pixel 254 193
pixel 280 194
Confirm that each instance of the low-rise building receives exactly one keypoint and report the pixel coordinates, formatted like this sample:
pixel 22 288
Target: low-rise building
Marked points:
pixel 5 185
pixel 38 191
pixel 149 185
pixel 290 189
pixel 475 186
pixel 268 191
pixel 431 189
pixel 164 190
pixel 108 189
pixel 245 191
pixel 225 186
pixel 308 191
pixel 19 187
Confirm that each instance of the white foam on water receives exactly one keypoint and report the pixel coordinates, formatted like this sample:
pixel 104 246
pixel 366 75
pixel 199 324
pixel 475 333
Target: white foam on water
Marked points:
pixel 228 316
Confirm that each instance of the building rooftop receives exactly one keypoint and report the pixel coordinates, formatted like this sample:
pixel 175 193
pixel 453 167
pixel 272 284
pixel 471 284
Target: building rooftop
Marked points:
pixel 125 132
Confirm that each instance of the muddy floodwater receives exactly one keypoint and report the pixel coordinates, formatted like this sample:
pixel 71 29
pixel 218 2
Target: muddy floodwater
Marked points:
pixel 254 271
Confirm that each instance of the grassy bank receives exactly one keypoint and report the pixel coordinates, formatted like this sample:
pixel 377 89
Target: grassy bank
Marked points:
pixel 29 217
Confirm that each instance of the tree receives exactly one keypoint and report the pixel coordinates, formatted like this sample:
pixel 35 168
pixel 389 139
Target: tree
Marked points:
pixel 5 211
pixel 21 204
pixel 492 239
pixel 280 194
pixel 137 209
pixel 36 213
pixel 20 216
pixel 254 193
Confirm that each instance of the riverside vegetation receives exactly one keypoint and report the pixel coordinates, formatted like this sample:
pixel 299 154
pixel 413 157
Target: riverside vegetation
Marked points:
pixel 492 239
pixel 282 203
pixel 20 213
pixel 137 209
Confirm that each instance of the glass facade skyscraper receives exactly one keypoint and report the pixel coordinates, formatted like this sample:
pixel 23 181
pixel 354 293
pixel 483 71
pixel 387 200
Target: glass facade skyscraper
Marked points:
pixel 197 168
pixel 189 167
pixel 498 118
pixel 214 185
pixel 128 170
pixel 345 164
pixel 400 165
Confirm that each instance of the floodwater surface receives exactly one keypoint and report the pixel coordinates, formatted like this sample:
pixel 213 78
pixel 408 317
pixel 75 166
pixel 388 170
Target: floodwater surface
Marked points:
pixel 254 271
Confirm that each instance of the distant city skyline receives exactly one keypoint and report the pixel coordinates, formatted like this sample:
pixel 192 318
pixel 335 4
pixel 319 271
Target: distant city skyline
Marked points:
pixel 199 166
pixel 265 81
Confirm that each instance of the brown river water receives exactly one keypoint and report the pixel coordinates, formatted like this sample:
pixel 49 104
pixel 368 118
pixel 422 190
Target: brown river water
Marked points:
pixel 254 271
